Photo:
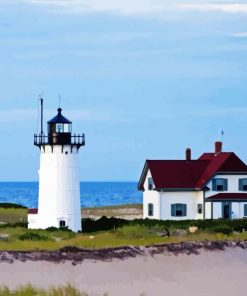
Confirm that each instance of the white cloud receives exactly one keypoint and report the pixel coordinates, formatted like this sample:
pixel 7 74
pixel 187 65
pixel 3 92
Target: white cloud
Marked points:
pixel 239 34
pixel 125 7
pixel 214 7
pixel 32 115
pixel 137 6
pixel 17 115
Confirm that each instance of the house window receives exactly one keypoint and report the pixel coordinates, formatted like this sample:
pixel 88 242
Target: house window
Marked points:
pixel 243 184
pixel 62 224
pixel 150 209
pixel 150 183
pixel 220 184
pixel 245 210
pixel 199 208
pixel 179 210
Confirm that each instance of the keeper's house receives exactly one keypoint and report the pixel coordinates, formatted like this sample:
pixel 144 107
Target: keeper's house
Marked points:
pixel 211 187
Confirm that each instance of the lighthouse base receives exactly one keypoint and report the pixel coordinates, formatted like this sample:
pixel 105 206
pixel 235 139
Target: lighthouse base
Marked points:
pixel 36 221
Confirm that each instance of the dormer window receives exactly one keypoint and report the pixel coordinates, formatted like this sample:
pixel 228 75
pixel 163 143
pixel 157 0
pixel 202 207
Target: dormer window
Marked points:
pixel 243 184
pixel 150 183
pixel 220 184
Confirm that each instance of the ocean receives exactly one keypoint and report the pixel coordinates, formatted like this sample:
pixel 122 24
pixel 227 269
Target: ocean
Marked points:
pixel 93 194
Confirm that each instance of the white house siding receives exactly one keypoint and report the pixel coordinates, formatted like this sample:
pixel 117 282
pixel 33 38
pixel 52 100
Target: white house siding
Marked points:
pixel 217 210
pixel 153 197
pixel 237 210
pixel 32 220
pixel 191 199
pixel 208 210
pixel 233 187
pixel 162 202
pixel 232 184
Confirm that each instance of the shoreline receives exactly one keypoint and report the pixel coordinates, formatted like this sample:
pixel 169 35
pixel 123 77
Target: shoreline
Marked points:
pixel 77 255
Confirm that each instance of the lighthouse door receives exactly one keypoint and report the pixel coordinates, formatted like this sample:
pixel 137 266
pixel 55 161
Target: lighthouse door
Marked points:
pixel 62 224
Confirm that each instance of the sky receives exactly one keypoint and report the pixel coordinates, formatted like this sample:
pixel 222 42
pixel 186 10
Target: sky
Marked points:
pixel 142 79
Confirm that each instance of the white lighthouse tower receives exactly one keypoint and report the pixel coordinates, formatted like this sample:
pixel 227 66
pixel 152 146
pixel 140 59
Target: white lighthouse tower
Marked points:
pixel 59 186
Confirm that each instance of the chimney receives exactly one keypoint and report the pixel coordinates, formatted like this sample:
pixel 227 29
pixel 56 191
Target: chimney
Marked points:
pixel 218 147
pixel 188 154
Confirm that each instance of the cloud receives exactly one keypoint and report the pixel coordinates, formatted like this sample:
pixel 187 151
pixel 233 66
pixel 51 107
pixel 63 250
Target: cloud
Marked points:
pixel 137 6
pixel 239 34
pixel 120 6
pixel 214 7
pixel 32 115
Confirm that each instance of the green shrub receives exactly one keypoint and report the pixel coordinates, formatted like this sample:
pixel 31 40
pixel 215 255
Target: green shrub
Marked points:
pixel 33 236
pixel 104 223
pixel 53 229
pixel 15 225
pixel 222 229
pixel 136 231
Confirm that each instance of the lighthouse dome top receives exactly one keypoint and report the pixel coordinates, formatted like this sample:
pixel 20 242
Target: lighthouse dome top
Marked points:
pixel 59 118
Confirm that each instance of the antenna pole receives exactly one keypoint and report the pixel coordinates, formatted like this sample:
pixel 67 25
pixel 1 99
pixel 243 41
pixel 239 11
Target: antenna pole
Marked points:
pixel 222 136
pixel 42 115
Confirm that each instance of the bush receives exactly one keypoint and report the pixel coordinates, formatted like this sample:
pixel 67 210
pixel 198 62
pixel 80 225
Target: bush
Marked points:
pixel 136 232
pixel 104 223
pixel 33 236
pixel 15 225
pixel 53 229
pixel 222 229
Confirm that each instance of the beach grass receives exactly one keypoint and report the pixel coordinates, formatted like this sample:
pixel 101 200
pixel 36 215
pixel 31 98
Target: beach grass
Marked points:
pixel 12 215
pixel 111 232
pixel 132 235
pixel 30 290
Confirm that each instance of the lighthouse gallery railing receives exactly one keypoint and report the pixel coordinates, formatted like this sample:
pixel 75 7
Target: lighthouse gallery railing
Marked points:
pixel 41 139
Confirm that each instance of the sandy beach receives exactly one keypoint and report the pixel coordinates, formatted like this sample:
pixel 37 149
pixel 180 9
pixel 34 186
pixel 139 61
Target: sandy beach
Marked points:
pixel 209 273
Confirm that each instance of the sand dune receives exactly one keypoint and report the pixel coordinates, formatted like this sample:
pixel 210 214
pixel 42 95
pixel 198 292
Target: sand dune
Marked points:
pixel 210 273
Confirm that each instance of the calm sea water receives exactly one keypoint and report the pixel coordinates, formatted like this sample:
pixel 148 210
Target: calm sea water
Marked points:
pixel 93 194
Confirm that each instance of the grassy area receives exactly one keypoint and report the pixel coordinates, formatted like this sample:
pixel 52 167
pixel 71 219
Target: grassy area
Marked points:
pixel 135 235
pixel 13 215
pixel 112 232
pixel 53 291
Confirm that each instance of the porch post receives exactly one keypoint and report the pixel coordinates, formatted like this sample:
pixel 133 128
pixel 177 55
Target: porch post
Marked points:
pixel 212 210
pixel 204 204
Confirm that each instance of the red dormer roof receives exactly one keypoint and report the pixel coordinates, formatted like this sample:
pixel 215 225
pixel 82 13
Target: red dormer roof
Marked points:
pixel 223 162
pixel 191 174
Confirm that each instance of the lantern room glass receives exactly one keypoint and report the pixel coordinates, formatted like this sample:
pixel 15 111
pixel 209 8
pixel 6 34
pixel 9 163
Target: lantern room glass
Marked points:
pixel 63 128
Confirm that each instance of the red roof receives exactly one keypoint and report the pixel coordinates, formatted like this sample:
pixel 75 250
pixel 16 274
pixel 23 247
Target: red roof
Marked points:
pixel 228 196
pixel 218 163
pixel 32 211
pixel 193 174
pixel 176 173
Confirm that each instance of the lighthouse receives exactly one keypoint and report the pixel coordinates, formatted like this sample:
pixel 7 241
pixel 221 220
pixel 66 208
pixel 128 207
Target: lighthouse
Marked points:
pixel 59 186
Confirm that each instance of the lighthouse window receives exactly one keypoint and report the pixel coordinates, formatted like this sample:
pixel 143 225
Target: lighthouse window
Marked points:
pixel 62 224
pixel 67 128
pixel 59 128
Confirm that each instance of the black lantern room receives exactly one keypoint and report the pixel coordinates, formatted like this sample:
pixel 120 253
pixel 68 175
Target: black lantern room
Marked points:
pixel 59 129
pixel 59 132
